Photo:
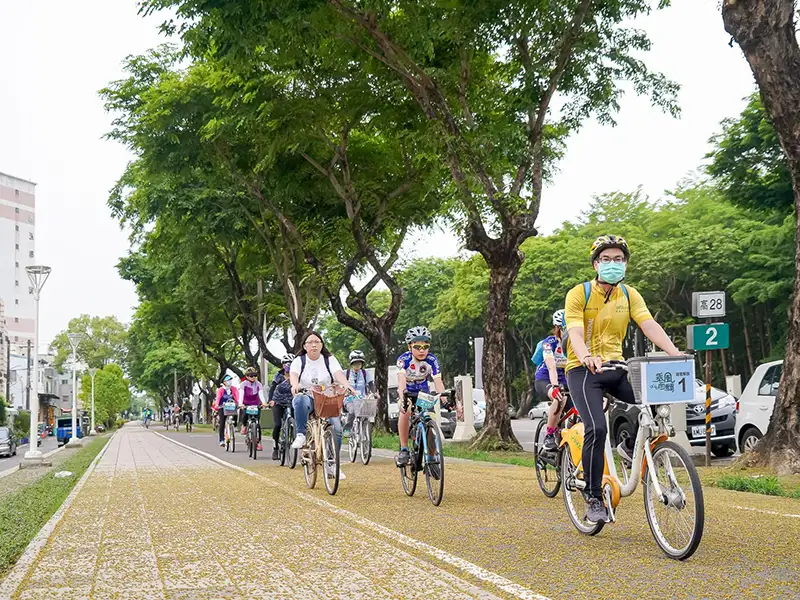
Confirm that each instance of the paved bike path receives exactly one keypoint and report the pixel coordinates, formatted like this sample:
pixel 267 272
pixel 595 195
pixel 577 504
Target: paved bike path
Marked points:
pixel 156 520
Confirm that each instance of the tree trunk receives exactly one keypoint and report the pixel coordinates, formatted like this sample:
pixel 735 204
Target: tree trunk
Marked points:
pixel 382 382
pixel 761 333
pixel 747 343
pixel 765 30
pixel 724 364
pixel 497 433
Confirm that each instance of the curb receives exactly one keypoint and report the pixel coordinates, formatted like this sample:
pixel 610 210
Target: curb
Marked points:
pixel 16 576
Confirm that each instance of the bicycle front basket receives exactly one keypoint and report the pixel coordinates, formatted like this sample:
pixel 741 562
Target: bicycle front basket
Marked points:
pixel 426 402
pixel 635 370
pixel 327 403
pixel 229 408
pixel 251 410
pixel 366 407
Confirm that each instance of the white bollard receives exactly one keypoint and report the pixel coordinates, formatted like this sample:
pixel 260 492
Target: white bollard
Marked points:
pixel 465 428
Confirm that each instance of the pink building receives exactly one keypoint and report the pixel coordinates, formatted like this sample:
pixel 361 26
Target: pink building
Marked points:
pixel 17 251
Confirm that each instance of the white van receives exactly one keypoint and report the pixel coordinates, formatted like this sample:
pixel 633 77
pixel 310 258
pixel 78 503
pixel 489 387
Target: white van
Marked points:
pixel 756 404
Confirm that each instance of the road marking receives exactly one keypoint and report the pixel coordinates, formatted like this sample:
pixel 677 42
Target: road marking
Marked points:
pixel 15 578
pixel 768 512
pixel 472 569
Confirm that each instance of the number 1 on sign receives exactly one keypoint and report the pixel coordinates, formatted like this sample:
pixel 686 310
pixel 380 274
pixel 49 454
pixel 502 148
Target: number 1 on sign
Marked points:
pixel 682 383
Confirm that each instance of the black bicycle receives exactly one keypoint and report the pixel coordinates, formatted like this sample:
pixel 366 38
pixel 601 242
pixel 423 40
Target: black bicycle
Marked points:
pixel 187 420
pixel 287 454
pixel 251 436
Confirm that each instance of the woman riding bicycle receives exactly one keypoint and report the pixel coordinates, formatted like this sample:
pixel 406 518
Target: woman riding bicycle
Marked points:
pixel 280 399
pixel 597 317
pixel 252 394
pixel 550 377
pixel 226 393
pixel 360 379
pixel 314 365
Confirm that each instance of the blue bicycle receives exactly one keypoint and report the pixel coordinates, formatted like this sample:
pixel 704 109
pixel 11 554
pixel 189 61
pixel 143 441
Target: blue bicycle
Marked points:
pixel 425 447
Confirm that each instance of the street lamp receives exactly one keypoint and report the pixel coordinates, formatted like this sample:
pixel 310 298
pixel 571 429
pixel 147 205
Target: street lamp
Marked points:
pixel 37 275
pixel 74 340
pixel 92 372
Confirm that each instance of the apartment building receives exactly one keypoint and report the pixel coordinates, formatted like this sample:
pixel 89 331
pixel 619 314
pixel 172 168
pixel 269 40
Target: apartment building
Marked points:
pixel 5 347
pixel 17 251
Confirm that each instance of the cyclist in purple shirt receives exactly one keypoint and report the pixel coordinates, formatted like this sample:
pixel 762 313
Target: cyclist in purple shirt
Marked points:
pixel 252 394
pixel 550 377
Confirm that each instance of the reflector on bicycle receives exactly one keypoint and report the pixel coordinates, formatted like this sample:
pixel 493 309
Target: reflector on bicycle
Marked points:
pixel 251 410
pixel 662 379
pixel 426 402
pixel 229 408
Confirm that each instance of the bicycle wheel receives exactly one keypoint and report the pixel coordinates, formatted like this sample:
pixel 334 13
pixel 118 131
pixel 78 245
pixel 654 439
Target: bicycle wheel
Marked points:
pixel 677 517
pixel 573 498
pixel 282 444
pixel 291 453
pixel 310 465
pixel 233 437
pixel 434 463
pixel 409 472
pixel 330 458
pixel 252 432
pixel 547 464
pixel 365 437
pixel 352 440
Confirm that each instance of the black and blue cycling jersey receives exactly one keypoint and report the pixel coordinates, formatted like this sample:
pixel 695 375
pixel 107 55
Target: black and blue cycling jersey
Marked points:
pixel 418 372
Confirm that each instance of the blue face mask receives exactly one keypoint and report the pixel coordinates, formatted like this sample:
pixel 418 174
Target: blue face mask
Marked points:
pixel 611 272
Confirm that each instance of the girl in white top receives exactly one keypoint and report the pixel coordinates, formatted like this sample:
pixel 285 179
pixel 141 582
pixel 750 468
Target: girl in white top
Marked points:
pixel 314 365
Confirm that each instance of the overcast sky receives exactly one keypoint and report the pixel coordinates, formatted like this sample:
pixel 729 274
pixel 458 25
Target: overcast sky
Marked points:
pixel 55 56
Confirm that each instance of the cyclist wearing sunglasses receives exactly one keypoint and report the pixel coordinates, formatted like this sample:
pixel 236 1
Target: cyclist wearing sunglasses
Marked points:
pixel 416 368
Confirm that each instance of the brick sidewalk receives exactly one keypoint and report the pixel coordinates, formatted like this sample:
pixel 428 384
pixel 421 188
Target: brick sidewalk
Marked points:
pixel 143 526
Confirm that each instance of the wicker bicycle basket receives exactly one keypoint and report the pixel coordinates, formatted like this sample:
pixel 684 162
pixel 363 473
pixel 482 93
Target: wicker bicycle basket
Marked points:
pixel 327 402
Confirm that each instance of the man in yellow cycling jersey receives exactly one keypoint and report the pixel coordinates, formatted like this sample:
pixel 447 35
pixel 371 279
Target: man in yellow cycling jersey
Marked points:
pixel 597 316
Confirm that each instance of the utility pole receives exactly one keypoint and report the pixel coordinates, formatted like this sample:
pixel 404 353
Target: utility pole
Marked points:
pixel 28 388
pixel 260 313
pixel 8 371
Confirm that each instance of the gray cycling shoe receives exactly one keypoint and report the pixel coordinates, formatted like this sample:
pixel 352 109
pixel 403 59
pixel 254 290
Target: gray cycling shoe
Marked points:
pixel 403 458
pixel 596 511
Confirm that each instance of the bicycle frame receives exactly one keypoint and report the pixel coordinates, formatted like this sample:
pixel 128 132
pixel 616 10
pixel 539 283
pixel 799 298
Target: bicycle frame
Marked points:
pixel 654 430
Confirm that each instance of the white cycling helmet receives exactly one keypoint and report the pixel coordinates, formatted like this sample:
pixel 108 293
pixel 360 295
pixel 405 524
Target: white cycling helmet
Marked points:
pixel 287 358
pixel 559 319
pixel 416 334
pixel 357 356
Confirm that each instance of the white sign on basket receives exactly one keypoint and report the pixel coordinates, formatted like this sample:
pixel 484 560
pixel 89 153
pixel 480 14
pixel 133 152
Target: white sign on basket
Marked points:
pixel 708 304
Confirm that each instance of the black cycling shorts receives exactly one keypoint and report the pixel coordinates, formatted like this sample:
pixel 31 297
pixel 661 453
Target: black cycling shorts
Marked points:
pixel 541 386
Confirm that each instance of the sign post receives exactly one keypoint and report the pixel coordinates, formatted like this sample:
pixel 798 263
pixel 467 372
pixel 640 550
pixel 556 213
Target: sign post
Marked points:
pixel 708 337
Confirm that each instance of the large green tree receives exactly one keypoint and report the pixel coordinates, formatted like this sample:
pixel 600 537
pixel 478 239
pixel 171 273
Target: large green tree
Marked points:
pixel 112 394
pixel 766 31
pixel 104 341
pixel 483 75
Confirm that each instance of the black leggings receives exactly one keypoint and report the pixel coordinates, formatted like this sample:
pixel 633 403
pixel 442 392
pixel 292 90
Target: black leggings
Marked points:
pixel 279 411
pixel 244 417
pixel 587 391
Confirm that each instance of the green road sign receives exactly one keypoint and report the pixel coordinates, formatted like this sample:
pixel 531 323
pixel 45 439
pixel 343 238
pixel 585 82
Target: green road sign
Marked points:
pixel 711 336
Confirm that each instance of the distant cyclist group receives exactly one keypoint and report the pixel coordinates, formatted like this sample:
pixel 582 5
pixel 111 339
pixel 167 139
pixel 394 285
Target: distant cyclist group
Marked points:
pixel 587 335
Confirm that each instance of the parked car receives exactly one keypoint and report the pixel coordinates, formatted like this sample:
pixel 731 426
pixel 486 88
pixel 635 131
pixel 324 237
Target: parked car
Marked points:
pixel 623 420
pixel 539 410
pixel 8 442
pixel 756 404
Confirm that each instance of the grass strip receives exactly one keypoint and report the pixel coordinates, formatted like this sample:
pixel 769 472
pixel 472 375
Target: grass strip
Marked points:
pixel 24 513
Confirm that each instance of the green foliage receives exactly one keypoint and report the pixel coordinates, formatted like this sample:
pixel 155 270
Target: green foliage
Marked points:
pixel 22 424
pixel 119 423
pixel 749 164
pixel 111 393
pixel 768 485
pixel 3 416
pixel 104 341
pixel 24 512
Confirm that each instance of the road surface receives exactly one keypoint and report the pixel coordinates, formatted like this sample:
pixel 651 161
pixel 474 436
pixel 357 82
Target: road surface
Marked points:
pixel 48 444
pixel 158 520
